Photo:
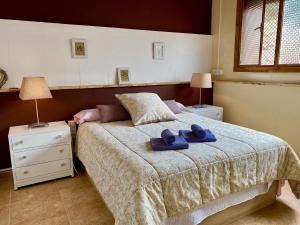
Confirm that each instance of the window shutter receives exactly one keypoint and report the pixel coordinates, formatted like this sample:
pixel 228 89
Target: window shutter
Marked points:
pixel 251 32
pixel 290 35
pixel 270 32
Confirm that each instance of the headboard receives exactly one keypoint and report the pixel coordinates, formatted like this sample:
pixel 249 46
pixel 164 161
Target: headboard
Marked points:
pixel 66 103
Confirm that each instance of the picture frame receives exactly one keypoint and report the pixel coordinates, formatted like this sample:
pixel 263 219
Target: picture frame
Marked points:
pixel 158 50
pixel 79 48
pixel 3 77
pixel 124 76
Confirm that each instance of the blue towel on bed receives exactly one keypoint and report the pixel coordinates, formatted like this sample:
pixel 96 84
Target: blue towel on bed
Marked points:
pixel 189 136
pixel 168 136
pixel 198 131
pixel 158 144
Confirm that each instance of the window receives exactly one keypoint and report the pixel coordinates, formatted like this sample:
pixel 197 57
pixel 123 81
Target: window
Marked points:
pixel 268 36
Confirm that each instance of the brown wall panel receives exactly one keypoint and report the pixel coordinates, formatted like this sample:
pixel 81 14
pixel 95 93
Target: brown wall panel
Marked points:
pixel 66 103
pixel 188 16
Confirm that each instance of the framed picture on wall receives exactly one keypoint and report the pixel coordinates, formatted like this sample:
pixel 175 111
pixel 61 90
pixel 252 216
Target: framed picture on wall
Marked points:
pixel 79 48
pixel 124 75
pixel 158 50
pixel 3 77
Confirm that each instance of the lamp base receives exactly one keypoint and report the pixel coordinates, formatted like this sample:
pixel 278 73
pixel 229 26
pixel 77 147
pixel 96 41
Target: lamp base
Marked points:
pixel 200 106
pixel 37 125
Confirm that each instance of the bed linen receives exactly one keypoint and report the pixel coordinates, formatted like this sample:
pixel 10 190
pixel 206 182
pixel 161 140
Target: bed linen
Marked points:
pixel 143 187
pixel 197 216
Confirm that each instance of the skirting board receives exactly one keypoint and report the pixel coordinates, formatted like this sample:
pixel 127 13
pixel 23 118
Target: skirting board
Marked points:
pixel 5 170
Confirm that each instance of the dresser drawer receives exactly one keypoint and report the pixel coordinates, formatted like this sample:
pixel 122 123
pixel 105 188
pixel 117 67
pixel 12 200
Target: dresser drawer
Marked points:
pixel 42 169
pixel 41 155
pixel 40 139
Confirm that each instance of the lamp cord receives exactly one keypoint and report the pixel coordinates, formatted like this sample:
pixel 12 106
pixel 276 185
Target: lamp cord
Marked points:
pixel 200 97
pixel 37 112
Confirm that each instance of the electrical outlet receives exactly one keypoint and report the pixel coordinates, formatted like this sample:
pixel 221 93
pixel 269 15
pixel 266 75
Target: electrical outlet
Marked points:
pixel 217 72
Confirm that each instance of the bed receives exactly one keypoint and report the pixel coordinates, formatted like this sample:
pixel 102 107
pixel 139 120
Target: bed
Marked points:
pixel 143 187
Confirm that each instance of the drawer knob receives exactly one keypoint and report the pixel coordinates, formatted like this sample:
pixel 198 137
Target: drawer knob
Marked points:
pixel 25 172
pixel 58 136
pixel 24 157
pixel 61 150
pixel 19 142
pixel 62 165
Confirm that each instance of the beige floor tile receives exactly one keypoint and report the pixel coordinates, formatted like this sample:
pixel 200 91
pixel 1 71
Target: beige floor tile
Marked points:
pixel 5 175
pixel 83 203
pixel 80 195
pixel 4 215
pixel 57 220
pixel 5 188
pixel 4 196
pixel 24 211
pixel 6 183
pixel 93 213
pixel 69 183
pixel 78 189
pixel 99 221
pixel 275 214
pixel 35 193
pixel 285 211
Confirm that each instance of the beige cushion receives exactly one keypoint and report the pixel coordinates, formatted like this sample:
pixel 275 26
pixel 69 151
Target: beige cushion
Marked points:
pixel 146 108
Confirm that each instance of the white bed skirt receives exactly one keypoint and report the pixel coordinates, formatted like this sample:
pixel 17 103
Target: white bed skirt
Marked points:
pixel 198 215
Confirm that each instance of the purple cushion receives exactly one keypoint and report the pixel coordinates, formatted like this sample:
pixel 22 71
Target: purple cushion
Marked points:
pixel 174 106
pixel 110 113
pixel 87 115
pixel 182 107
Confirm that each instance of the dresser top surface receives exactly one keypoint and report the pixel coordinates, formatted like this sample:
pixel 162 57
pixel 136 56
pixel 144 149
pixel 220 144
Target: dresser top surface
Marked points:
pixel 205 108
pixel 25 130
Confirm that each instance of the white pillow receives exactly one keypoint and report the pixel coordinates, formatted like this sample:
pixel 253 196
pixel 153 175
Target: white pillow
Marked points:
pixel 145 108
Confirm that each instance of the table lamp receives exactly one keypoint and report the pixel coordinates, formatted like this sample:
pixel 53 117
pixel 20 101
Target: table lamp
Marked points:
pixel 201 80
pixel 34 88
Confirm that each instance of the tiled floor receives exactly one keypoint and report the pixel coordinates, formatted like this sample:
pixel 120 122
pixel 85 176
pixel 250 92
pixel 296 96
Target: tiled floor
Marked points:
pixel 74 201
pixel 69 201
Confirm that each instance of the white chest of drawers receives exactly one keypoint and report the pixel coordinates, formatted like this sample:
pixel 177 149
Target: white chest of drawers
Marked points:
pixel 210 111
pixel 40 154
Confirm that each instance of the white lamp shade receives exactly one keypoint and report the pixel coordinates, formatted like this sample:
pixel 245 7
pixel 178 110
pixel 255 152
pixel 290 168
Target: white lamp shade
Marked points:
pixel 34 88
pixel 201 80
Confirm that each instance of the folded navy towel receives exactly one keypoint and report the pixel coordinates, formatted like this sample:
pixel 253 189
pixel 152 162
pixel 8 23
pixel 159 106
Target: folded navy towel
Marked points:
pixel 158 144
pixel 189 136
pixel 198 131
pixel 168 136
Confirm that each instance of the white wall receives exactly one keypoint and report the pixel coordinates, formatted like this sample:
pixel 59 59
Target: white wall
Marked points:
pixel 33 48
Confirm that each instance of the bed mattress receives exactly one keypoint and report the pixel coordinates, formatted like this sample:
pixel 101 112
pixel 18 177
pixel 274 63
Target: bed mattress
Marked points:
pixel 143 187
